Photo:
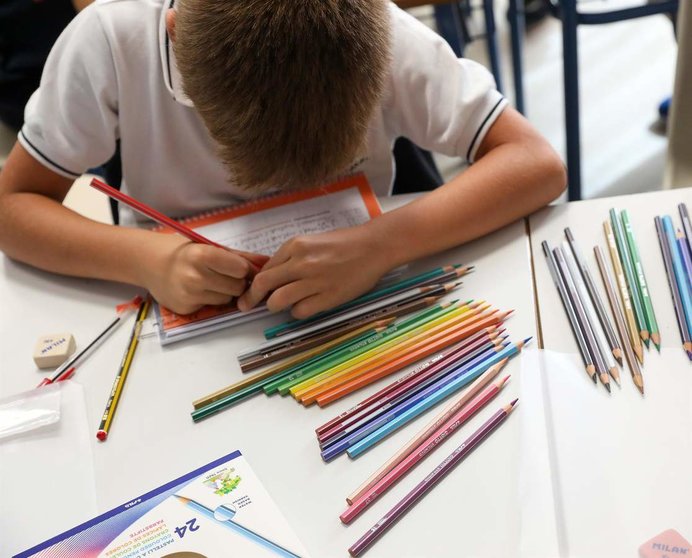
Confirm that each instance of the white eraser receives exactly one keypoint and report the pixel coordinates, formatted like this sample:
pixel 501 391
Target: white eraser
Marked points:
pixel 52 350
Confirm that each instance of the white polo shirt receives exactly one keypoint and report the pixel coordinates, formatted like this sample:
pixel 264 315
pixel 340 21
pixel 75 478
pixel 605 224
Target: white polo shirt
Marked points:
pixel 112 75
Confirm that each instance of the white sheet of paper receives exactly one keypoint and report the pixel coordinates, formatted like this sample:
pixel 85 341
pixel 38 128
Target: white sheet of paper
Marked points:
pixel 47 477
pixel 620 464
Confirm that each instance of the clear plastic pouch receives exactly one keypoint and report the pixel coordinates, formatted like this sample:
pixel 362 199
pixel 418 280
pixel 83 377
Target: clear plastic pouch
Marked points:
pixel 27 411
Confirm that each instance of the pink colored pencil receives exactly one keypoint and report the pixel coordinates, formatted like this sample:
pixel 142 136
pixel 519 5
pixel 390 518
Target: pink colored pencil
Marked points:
pixel 458 455
pixel 373 399
pixel 460 354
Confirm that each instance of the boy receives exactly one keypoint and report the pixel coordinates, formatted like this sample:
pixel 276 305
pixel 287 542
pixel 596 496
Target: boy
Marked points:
pixel 214 101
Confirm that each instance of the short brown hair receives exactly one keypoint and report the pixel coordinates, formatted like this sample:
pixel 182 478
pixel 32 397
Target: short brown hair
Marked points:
pixel 287 88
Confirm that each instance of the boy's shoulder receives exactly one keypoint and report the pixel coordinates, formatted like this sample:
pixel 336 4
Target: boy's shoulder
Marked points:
pixel 126 12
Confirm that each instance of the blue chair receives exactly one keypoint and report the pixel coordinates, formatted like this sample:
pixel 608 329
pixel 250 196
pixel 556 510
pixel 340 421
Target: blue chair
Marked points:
pixel 571 18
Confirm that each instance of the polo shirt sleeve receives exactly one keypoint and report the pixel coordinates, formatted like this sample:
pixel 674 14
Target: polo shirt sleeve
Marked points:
pixel 442 103
pixel 71 120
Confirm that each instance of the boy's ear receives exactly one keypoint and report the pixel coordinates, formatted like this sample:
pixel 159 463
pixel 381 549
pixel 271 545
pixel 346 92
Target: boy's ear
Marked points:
pixel 170 23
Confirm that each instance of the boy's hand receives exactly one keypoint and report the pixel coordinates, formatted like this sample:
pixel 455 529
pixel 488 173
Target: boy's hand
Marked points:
pixel 184 276
pixel 314 273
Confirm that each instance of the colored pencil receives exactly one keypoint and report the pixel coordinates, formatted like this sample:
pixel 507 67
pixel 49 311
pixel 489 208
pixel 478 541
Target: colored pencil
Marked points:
pixel 630 277
pixel 78 357
pixel 384 352
pixel 431 397
pixel 407 389
pixel 635 339
pixel 571 313
pixel 270 374
pixel 470 343
pixel 679 270
pixel 370 310
pixel 123 371
pixel 375 532
pixel 256 260
pixel 619 320
pixel 595 297
pixel 264 357
pixel 584 322
pixel 426 448
pixel 440 274
pixel 686 225
pixel 438 422
pixel 373 344
pixel 339 444
pixel 647 305
pixel 370 374
pixel 224 515
pixel 683 327
pixel 594 323
pixel 685 258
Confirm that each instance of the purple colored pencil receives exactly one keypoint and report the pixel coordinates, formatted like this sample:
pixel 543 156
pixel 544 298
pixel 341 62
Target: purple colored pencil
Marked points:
pixel 477 337
pixel 685 256
pixel 458 455
pixel 362 428
pixel 415 384
pixel 338 447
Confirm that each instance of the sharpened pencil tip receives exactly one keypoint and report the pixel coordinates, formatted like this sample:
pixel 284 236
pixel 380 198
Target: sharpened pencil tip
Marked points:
pixel 527 340
pixel 594 378
pixel 504 380
pixel 513 403
pixel 607 386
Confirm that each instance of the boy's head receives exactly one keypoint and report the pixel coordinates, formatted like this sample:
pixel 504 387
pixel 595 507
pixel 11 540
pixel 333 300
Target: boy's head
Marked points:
pixel 286 87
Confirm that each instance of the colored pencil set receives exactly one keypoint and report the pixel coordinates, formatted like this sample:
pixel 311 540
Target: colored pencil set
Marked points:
pixel 327 357
pixel 676 250
pixel 484 386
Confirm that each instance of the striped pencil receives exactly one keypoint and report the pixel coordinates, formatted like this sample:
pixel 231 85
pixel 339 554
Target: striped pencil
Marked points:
pixel 367 376
pixel 421 381
pixel 438 422
pixel 374 533
pixel 350 436
pixel 619 320
pixel 686 225
pixel 469 344
pixel 647 305
pixel 431 397
pixel 631 321
pixel 426 448
pixel 685 257
pixel 571 312
pixel 683 327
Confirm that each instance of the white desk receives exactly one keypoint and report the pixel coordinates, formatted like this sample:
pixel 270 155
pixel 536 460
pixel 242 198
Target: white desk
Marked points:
pixel 153 439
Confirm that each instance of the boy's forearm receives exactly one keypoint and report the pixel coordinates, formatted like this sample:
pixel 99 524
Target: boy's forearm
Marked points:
pixel 41 232
pixel 509 182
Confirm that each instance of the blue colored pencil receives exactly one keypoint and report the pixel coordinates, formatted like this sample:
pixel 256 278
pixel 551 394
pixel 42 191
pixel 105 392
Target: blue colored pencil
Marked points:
pixel 374 437
pixel 679 270
pixel 358 432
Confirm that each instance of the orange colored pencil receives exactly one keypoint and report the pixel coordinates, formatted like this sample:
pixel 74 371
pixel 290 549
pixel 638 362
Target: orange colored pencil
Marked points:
pixel 396 345
pixel 367 377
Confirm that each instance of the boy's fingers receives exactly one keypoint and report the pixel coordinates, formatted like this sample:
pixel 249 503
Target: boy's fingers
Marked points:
pixel 227 263
pixel 288 295
pixel 224 284
pixel 214 299
pixel 308 307
pixel 264 283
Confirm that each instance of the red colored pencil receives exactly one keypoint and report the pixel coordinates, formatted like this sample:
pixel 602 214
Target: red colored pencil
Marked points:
pixel 377 530
pixel 424 449
pixel 256 260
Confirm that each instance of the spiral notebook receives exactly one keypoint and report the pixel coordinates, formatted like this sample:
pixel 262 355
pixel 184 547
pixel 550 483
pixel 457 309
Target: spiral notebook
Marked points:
pixel 261 226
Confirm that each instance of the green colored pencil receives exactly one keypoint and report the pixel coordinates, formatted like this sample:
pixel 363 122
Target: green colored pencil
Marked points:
pixel 398 286
pixel 651 322
pixel 394 331
pixel 632 284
